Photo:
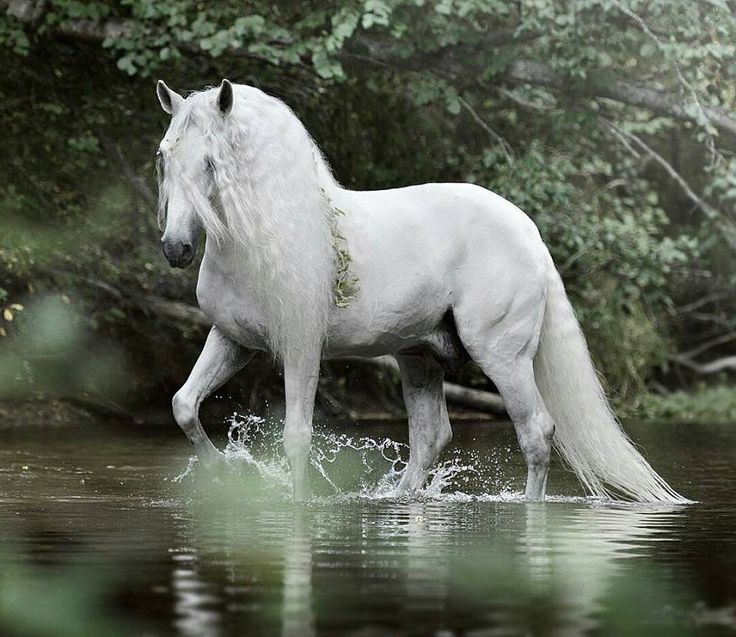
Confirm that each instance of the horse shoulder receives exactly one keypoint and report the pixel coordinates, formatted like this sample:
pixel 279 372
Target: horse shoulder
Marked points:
pixel 229 306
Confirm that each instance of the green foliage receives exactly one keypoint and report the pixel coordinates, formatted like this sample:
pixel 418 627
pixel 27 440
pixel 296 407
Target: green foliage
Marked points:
pixel 75 598
pixel 702 404
pixel 346 284
pixel 51 351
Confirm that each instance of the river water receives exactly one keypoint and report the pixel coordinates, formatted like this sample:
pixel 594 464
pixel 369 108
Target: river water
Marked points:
pixel 113 531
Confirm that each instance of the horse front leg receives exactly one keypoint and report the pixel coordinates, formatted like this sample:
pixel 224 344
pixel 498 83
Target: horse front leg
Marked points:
pixel 301 373
pixel 220 359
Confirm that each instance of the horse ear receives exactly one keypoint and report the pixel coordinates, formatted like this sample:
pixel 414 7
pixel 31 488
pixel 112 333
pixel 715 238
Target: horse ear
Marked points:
pixel 170 100
pixel 225 97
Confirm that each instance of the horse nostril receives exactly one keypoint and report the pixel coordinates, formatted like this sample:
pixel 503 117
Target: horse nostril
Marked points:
pixel 178 253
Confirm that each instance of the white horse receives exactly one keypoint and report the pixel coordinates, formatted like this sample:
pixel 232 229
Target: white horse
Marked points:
pixel 434 275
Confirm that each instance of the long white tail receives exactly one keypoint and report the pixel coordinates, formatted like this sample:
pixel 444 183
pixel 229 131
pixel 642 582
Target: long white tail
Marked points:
pixel 587 434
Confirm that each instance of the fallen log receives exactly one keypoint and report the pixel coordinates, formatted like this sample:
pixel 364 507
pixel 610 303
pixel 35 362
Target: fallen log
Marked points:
pixel 726 363
pixel 456 394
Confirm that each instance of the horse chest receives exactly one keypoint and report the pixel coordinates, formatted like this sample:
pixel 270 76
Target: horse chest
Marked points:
pixel 231 307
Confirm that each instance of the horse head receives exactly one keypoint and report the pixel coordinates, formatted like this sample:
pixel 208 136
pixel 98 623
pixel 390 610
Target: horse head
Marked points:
pixel 184 174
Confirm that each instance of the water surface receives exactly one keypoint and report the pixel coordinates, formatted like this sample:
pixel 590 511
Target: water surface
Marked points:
pixel 109 531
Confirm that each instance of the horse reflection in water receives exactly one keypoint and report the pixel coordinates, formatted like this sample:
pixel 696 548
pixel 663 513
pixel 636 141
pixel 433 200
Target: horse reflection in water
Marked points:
pixel 577 556
pixel 434 275
pixel 435 563
pixel 298 607
pixel 567 557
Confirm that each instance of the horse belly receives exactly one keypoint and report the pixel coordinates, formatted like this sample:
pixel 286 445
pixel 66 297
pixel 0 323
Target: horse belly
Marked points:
pixel 386 321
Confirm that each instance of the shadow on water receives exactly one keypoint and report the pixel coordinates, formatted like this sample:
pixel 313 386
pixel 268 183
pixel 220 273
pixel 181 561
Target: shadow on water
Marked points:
pixel 95 523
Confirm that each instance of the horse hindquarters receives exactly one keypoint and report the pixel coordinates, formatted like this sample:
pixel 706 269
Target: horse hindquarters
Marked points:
pixel 537 356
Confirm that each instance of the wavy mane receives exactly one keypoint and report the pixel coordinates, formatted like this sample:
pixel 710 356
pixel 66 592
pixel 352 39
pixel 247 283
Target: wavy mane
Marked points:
pixel 266 201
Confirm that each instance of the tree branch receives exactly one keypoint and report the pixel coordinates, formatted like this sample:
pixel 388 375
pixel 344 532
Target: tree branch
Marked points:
pixel 458 394
pixel 713 367
pixel 710 343
pixel 727 225
pixel 505 146
pixel 659 102
pixel 458 62
pixel 114 154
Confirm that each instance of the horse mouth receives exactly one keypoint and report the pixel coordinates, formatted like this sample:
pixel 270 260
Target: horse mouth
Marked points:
pixel 182 263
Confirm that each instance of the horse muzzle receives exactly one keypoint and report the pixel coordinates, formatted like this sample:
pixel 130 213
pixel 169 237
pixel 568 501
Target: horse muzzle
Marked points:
pixel 178 253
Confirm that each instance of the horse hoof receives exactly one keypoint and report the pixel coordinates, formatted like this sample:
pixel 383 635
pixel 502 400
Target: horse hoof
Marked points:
pixel 406 490
pixel 410 484
pixel 216 463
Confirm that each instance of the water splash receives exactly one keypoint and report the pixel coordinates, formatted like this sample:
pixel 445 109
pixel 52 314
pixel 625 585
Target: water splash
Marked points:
pixel 357 466
pixel 188 470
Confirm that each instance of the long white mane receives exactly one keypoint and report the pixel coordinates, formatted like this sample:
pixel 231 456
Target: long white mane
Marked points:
pixel 267 201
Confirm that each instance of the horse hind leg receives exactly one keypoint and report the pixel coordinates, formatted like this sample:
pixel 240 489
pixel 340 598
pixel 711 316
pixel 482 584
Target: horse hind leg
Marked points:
pixel 429 425
pixel 533 424
pixel 505 353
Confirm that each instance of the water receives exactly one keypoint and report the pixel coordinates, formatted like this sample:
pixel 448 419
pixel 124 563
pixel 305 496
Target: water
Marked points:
pixel 110 531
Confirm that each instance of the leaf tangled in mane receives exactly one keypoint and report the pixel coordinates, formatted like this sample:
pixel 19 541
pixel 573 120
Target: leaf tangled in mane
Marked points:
pixel 346 284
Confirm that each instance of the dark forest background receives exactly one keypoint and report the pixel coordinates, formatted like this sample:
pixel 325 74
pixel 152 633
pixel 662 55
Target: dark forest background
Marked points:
pixel 610 122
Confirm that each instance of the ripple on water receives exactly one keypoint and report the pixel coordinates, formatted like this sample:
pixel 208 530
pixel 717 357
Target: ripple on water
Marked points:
pixel 234 555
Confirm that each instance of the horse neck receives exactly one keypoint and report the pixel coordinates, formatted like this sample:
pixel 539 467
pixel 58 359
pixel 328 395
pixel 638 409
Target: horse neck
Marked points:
pixel 287 251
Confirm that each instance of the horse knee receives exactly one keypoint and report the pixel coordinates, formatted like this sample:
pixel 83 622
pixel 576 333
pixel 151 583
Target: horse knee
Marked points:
pixel 184 408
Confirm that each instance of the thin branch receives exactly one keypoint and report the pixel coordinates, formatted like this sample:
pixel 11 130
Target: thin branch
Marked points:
pixel 526 104
pixel 726 363
pixel 458 394
pixel 505 146
pixel 698 303
pixel 725 225
pixel 710 343
pixel 703 205
pixel 572 259
pixel 678 71
pixel 113 152
pixel 621 138
pixel 715 319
